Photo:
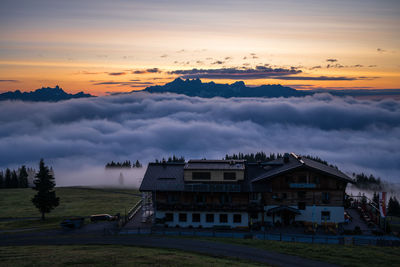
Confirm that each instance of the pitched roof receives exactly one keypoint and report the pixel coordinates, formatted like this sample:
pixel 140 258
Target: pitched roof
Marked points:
pixel 169 176
pixel 163 177
pixel 293 162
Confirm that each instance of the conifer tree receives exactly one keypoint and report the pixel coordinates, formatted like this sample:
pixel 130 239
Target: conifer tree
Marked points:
pixel 14 179
pixel 7 179
pixel 1 180
pixel 393 207
pixel 138 164
pixel 23 177
pixel 45 199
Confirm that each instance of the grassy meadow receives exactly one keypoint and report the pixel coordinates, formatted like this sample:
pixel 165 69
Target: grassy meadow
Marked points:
pixel 108 255
pixel 74 201
pixel 338 254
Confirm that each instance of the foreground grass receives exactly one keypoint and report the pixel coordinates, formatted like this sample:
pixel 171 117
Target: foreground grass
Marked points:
pixel 74 201
pixel 337 254
pixel 108 255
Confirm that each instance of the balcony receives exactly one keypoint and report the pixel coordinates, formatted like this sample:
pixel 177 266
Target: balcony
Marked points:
pixel 213 187
pixel 208 207
pixel 302 185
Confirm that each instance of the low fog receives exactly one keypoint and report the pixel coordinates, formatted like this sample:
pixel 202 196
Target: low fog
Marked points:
pixel 78 137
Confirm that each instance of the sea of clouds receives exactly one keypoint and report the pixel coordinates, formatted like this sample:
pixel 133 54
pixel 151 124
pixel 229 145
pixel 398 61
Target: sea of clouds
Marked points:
pixel 78 137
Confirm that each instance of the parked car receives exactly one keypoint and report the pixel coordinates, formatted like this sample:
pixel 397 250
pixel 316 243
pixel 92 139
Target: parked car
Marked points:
pixel 72 223
pixel 102 217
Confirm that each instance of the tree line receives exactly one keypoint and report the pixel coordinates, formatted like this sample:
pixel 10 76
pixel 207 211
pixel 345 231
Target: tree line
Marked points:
pixel 14 178
pixel 125 164
pixel 253 157
pixel 174 158
pixel 370 182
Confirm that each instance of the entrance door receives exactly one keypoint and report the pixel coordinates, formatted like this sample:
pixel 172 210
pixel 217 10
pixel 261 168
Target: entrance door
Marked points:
pixel 287 217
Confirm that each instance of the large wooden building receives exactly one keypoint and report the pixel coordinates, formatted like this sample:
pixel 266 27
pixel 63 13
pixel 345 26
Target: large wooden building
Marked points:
pixel 234 193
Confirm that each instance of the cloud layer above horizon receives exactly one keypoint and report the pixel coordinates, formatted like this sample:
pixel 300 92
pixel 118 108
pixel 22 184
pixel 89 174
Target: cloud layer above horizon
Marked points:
pixel 77 135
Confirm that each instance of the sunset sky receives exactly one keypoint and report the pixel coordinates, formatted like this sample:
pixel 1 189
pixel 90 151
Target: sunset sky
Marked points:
pixel 103 46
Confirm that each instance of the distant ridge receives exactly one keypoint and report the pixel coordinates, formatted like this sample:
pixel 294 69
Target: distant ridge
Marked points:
pixel 196 87
pixel 45 94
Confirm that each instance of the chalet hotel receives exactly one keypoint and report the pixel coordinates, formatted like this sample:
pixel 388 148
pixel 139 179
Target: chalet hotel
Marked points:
pixel 237 194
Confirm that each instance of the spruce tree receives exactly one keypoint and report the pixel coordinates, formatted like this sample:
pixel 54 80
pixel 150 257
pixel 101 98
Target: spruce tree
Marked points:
pixel 393 207
pixel 7 179
pixel 14 179
pixel 45 199
pixel 1 180
pixel 138 164
pixel 23 177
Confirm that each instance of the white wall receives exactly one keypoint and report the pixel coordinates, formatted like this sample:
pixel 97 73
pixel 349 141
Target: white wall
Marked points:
pixel 337 214
pixel 203 223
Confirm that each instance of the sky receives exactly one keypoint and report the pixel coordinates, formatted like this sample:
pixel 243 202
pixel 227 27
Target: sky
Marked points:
pixel 100 46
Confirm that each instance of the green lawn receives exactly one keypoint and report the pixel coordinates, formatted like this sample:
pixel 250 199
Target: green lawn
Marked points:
pixel 74 201
pixel 108 255
pixel 337 254
pixel 394 223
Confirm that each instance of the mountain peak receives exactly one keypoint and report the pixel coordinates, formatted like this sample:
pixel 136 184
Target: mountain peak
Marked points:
pixel 48 94
pixel 195 87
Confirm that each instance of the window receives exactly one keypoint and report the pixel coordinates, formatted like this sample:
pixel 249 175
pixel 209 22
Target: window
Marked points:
pixel 325 215
pixel 301 194
pixel 255 196
pixel 325 197
pixel 209 217
pixel 229 176
pixel 223 218
pixel 302 179
pixel 169 217
pixel 201 175
pixel 173 198
pixel 225 199
pixel 338 185
pixel 200 199
pixel 237 218
pixel 302 205
pixel 182 217
pixel 196 217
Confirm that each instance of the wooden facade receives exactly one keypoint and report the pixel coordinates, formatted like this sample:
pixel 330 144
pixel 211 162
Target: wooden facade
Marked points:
pixel 304 192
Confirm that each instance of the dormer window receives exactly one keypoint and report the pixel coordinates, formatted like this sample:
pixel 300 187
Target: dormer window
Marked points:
pixel 201 176
pixel 229 176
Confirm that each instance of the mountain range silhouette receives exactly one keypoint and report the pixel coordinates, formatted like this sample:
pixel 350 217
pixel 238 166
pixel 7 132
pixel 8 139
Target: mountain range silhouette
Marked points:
pixel 44 94
pixel 196 87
